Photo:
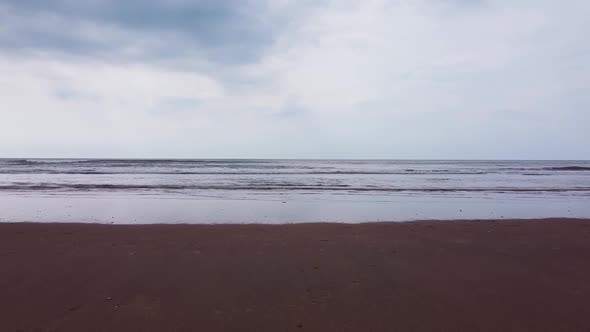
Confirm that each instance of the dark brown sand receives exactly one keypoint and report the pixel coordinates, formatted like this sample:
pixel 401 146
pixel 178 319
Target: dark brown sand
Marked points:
pixel 419 276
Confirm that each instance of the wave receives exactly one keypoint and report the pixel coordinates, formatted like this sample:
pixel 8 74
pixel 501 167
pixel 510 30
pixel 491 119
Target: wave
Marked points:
pixel 237 166
pixel 135 162
pixel 284 187
pixel 98 172
pixel 43 161
pixel 568 168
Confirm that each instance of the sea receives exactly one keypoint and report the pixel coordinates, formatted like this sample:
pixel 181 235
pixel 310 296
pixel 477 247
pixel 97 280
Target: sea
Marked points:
pixel 134 191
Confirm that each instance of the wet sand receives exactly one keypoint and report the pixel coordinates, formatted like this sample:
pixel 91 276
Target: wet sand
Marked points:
pixel 505 275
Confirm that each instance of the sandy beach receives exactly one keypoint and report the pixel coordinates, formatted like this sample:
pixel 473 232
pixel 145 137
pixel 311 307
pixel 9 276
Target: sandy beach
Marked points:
pixel 509 275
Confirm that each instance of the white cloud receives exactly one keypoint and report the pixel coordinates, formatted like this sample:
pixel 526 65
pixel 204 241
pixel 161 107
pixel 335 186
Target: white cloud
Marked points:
pixel 373 79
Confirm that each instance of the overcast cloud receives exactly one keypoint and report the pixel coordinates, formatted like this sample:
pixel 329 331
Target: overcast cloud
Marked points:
pixel 465 79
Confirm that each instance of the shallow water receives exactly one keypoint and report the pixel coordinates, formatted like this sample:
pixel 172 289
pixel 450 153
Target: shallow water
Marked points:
pixel 277 191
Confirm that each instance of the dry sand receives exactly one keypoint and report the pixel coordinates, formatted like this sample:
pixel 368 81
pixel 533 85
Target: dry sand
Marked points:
pixel 421 276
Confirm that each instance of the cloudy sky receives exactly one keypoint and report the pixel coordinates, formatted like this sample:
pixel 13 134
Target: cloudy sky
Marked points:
pixel 295 79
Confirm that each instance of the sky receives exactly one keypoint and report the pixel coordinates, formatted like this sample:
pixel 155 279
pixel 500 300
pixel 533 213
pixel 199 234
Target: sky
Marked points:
pixel 392 79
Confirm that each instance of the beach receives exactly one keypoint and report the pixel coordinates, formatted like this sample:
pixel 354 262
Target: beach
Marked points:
pixel 294 166
pixel 493 275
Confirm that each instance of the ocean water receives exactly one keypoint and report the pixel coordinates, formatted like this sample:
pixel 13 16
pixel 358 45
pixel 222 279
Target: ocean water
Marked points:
pixel 278 191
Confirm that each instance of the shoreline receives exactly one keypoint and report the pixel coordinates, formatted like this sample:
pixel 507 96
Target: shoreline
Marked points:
pixel 303 223
pixel 138 209
pixel 487 275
